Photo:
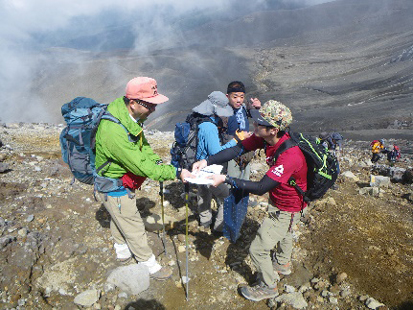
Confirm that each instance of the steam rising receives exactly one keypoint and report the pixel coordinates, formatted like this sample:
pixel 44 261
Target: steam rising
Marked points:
pixel 41 38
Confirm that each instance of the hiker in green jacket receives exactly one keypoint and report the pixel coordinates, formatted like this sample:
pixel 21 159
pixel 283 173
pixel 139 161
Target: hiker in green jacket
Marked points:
pixel 122 152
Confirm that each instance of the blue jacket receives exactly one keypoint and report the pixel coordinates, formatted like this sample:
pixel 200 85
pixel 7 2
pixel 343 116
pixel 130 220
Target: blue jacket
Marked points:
pixel 208 141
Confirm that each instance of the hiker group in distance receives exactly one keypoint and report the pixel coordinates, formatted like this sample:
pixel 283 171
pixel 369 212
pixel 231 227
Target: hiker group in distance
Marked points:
pixel 378 147
pixel 119 158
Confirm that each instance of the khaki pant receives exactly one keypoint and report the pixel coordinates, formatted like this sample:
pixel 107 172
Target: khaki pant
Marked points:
pixel 204 204
pixel 234 171
pixel 277 227
pixel 127 225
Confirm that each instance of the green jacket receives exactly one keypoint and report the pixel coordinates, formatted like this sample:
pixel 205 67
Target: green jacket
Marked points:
pixel 112 143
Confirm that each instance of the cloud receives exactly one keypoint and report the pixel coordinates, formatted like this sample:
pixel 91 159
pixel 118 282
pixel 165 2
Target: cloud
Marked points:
pixel 29 29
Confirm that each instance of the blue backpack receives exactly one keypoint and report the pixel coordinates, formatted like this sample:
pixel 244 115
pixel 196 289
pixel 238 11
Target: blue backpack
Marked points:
pixel 77 140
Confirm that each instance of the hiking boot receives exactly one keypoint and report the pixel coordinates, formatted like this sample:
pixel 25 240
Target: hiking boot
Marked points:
pixel 162 274
pixel 282 269
pixel 258 292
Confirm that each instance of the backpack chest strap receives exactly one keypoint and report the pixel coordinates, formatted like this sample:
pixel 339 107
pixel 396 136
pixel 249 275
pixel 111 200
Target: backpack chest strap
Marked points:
pixel 287 144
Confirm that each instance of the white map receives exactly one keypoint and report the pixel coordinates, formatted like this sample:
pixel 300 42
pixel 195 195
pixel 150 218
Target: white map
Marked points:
pixel 202 177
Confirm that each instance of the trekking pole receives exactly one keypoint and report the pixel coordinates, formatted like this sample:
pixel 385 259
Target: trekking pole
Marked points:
pixel 242 174
pixel 163 216
pixel 243 168
pixel 186 239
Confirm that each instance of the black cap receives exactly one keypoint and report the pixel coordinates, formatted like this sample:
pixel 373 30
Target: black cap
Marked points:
pixel 255 113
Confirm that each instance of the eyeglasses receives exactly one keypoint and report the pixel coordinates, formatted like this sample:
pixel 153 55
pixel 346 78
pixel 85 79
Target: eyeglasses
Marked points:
pixel 149 106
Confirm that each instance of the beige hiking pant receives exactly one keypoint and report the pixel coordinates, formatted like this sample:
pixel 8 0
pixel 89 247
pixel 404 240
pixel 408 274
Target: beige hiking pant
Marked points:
pixel 204 198
pixel 277 227
pixel 127 226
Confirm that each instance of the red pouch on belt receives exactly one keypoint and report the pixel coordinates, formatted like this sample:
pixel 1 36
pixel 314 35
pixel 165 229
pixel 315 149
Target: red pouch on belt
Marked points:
pixel 132 181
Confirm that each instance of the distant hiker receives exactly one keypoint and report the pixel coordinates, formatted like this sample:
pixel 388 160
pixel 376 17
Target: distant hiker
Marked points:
pixel 209 143
pixel 240 167
pixel 286 204
pixel 333 142
pixel 125 154
pixel 377 146
pixel 337 146
pixel 393 155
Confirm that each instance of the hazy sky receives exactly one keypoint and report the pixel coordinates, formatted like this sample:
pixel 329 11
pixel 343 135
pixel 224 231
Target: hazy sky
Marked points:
pixel 29 27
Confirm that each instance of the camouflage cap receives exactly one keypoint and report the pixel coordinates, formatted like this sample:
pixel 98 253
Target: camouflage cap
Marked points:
pixel 273 113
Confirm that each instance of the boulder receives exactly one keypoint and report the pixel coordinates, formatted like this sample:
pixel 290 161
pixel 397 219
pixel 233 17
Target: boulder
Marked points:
pixel 132 279
pixel 371 303
pixel 87 298
pixel 296 300
pixel 408 176
pixel 379 181
pixel 4 167
pixel 396 174
pixel 350 175
pixel 372 191
pixel 381 170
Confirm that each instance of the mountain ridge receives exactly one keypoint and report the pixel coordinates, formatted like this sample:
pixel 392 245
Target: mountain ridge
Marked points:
pixel 338 56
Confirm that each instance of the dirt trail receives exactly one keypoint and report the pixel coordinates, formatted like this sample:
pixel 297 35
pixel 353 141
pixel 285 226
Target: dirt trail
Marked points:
pixel 55 239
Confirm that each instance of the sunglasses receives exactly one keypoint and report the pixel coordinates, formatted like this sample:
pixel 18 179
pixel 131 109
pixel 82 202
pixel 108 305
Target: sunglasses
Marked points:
pixel 149 106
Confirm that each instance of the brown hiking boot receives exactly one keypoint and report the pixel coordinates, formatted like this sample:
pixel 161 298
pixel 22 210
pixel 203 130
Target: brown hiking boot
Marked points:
pixel 162 274
pixel 282 269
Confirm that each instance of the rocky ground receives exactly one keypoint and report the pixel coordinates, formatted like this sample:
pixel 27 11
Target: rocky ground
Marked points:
pixel 353 249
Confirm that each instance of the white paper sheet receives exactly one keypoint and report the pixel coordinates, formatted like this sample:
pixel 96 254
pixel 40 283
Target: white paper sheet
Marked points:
pixel 202 176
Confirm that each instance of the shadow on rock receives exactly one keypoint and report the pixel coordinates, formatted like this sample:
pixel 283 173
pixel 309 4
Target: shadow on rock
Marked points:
pixel 103 217
pixel 238 251
pixel 408 197
pixel 363 184
pixel 204 243
pixel 145 304
pixel 144 204
pixel 405 306
pixel 175 193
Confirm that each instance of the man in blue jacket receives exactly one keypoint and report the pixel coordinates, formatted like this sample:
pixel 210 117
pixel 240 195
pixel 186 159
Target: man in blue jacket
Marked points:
pixel 240 167
pixel 209 143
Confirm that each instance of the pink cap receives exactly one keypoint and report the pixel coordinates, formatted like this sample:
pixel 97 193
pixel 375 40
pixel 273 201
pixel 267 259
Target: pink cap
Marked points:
pixel 145 89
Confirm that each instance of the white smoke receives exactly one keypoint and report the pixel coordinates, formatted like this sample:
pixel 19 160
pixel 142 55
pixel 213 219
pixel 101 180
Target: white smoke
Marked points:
pixel 31 30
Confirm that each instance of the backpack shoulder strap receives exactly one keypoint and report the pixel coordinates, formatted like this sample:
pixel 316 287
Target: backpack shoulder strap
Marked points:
pixel 287 144
pixel 104 114
pixel 107 116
